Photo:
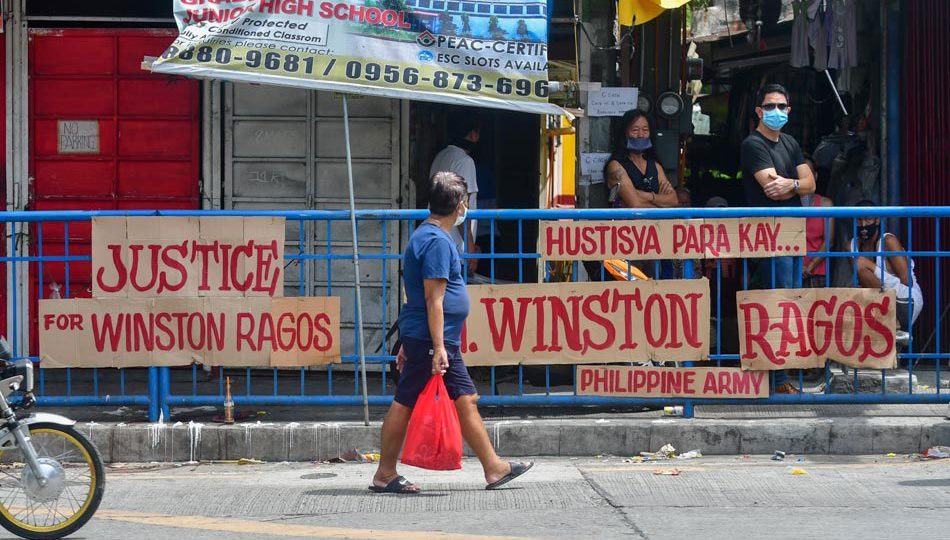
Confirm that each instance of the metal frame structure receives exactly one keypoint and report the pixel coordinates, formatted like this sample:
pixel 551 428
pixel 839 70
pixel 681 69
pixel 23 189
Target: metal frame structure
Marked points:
pixel 161 388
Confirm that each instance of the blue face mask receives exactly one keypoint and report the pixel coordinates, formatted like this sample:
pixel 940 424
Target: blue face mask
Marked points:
pixel 775 119
pixel 639 144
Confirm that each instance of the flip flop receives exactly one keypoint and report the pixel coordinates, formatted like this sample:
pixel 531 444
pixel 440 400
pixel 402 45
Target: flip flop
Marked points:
pixel 517 469
pixel 398 485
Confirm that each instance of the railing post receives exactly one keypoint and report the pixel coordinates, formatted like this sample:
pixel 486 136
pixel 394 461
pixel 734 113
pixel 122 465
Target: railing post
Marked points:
pixel 688 274
pixel 164 390
pixel 154 399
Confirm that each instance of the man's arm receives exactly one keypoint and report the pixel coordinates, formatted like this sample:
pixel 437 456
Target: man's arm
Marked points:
pixel 434 294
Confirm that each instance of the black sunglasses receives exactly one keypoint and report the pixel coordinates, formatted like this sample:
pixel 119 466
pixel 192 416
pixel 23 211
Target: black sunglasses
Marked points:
pixel 773 106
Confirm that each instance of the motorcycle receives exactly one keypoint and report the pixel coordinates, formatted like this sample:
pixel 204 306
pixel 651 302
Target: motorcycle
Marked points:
pixel 51 476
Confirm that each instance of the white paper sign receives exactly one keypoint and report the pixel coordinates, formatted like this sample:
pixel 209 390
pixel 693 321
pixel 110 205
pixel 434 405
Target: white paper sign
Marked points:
pixel 592 165
pixel 611 101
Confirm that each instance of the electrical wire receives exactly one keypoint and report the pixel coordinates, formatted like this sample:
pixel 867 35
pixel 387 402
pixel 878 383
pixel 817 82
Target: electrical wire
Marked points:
pixel 577 22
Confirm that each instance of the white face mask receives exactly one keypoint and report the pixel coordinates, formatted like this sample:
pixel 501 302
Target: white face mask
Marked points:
pixel 461 219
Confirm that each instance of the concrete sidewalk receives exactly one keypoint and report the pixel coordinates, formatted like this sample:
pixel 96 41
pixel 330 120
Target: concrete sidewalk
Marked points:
pixel 713 498
pixel 797 431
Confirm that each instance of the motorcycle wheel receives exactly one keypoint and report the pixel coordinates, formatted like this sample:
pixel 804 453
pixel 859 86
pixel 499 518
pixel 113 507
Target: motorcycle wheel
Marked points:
pixel 76 481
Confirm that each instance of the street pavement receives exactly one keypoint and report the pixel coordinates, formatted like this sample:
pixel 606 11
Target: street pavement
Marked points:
pixel 724 497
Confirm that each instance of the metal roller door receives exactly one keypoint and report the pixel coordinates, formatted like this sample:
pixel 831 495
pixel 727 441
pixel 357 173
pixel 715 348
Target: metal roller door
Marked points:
pixel 284 149
pixel 104 134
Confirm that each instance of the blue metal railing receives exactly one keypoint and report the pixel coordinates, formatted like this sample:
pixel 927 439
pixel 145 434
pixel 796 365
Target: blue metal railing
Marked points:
pixel 508 254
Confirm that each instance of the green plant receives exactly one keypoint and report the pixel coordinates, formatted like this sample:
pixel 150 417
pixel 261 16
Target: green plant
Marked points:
pixel 495 29
pixel 448 24
pixel 466 25
pixel 522 29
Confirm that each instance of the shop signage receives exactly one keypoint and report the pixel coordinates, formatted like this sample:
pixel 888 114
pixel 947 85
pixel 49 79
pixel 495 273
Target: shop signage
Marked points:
pixel 585 323
pixel 171 291
pixel 78 136
pixel 802 328
pixel 672 239
pixel 611 101
pixel 684 382
pixel 486 54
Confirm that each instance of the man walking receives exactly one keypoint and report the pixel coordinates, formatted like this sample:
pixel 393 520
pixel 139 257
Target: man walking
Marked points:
pixel 775 174
pixel 464 133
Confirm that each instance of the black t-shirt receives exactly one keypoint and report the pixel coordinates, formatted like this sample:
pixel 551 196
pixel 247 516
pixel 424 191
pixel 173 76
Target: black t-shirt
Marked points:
pixel 759 153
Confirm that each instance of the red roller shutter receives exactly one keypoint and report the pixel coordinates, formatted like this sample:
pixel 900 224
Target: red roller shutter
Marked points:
pixel 925 159
pixel 147 155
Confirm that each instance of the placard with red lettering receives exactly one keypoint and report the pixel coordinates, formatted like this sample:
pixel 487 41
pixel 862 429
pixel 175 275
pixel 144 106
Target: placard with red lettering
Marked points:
pixel 134 332
pixel 147 257
pixel 802 328
pixel 681 382
pixel 672 239
pixel 585 323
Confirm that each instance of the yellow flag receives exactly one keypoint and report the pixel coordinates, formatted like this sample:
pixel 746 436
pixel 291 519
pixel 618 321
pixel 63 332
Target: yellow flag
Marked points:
pixel 632 12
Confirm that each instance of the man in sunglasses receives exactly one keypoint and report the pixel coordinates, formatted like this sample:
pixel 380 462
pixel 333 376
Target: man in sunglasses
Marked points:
pixel 775 174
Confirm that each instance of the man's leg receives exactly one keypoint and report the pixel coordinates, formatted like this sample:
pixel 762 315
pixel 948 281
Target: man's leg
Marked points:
pixel 393 436
pixel 783 278
pixel 475 434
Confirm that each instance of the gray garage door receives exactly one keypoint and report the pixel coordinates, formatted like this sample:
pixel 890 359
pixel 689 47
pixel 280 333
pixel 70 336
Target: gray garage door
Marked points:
pixel 284 149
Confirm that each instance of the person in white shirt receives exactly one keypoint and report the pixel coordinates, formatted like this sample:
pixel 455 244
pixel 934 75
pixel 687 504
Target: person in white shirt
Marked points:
pixel 456 157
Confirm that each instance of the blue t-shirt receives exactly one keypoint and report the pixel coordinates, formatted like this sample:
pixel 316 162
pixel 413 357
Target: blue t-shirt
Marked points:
pixel 431 254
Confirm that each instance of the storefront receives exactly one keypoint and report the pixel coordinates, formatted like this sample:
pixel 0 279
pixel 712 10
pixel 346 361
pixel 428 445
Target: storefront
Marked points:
pixel 100 132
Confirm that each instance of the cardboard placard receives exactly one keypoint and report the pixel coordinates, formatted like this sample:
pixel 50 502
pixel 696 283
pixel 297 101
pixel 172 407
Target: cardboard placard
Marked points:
pixel 682 382
pixel 135 332
pixel 585 323
pixel 672 239
pixel 801 328
pixel 147 257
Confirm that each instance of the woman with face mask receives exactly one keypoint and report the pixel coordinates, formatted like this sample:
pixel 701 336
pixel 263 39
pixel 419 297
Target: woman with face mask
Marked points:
pixel 634 179
pixel 892 272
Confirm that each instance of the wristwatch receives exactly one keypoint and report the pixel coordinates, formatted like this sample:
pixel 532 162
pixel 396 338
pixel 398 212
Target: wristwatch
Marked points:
pixel 795 185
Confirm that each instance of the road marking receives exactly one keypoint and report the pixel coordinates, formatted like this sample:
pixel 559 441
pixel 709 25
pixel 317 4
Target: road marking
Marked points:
pixel 284 529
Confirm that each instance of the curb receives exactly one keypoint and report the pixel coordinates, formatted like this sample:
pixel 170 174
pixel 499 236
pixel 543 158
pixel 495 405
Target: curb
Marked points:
pixel 313 441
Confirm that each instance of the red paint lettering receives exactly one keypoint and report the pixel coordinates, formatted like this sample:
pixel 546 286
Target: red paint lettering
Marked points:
pixel 875 326
pixel 245 329
pixel 120 268
pixel 849 349
pixel 511 327
pixel 656 322
pixel 756 336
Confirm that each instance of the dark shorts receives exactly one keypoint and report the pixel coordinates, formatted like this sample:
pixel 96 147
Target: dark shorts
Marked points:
pixel 418 370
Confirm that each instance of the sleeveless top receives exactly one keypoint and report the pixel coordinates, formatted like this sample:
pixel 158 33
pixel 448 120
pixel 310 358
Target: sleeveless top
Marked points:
pixel 891 281
pixel 649 182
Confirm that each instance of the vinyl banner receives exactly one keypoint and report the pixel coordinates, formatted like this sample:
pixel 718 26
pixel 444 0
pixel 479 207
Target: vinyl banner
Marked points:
pixel 672 239
pixel 587 323
pixel 134 332
pixel 488 53
pixel 801 328
pixel 682 382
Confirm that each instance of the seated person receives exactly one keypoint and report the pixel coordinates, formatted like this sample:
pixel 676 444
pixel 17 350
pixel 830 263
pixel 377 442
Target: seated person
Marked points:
pixel 898 271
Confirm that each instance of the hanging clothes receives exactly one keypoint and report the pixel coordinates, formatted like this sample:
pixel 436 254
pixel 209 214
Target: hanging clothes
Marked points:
pixel 800 56
pixel 818 33
pixel 843 45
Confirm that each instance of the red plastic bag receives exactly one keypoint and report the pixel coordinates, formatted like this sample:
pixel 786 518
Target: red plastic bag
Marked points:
pixel 434 437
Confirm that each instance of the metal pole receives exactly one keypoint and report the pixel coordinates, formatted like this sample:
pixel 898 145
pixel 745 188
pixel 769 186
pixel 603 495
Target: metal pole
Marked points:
pixel 837 95
pixel 356 260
